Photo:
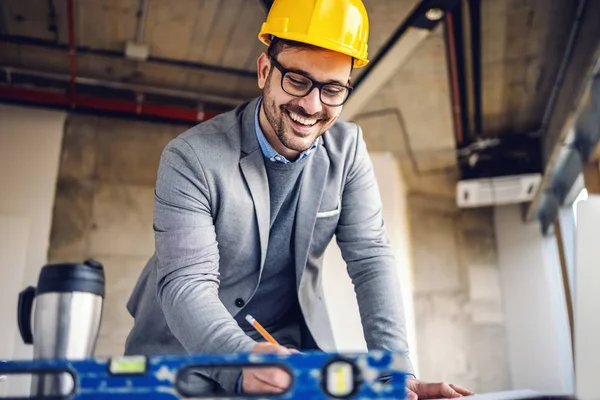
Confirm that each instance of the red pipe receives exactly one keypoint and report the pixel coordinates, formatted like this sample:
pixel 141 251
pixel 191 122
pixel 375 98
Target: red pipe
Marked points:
pixel 73 100
pixel 104 104
pixel 72 74
pixel 454 79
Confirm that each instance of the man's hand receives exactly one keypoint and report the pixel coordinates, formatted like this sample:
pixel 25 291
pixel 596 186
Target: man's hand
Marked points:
pixel 424 390
pixel 266 380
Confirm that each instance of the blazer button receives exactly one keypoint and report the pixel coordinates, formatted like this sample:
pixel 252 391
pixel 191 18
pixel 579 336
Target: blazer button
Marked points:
pixel 239 302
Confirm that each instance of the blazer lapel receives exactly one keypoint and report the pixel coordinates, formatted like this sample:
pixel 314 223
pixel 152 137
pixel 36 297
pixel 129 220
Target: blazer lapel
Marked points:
pixel 253 168
pixel 311 193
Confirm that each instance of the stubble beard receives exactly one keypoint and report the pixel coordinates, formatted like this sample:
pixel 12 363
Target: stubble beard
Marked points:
pixel 275 116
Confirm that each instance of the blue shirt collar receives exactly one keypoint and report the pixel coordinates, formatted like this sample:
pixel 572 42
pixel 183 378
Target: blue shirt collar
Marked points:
pixel 267 150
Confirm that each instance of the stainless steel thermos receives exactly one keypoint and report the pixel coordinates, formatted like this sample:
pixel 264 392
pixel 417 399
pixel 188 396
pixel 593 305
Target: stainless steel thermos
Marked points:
pixel 66 309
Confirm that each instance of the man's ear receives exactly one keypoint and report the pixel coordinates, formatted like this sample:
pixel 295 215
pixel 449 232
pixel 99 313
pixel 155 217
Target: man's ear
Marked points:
pixel 263 66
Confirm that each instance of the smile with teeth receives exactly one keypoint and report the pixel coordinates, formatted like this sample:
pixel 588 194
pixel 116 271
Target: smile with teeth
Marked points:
pixel 303 121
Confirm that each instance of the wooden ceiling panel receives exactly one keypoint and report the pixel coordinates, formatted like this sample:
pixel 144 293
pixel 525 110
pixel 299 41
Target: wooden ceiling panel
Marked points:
pixel 169 26
pixel 106 24
pixel 112 69
pixel 220 34
pixel 241 46
pixel 246 88
pixel 208 82
pixel 206 16
pixel 160 75
pixel 26 18
pixel 42 59
pixel 250 63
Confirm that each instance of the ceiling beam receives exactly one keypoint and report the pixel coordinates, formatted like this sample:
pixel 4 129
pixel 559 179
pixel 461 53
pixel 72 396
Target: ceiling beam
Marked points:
pixel 395 52
pixel 569 135
pixel 574 73
pixel 579 148
pixel 49 44
pixel 30 76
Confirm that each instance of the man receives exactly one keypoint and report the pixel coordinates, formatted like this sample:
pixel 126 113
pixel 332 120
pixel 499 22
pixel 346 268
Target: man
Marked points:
pixel 245 205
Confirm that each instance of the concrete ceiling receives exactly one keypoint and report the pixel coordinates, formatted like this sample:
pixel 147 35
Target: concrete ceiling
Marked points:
pixel 524 42
pixel 210 47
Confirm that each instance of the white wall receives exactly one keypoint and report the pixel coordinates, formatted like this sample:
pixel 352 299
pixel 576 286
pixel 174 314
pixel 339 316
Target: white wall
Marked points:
pixel 535 310
pixel 587 299
pixel 30 142
pixel 339 292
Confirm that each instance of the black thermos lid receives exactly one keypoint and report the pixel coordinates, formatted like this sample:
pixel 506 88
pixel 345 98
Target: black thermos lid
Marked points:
pixel 72 277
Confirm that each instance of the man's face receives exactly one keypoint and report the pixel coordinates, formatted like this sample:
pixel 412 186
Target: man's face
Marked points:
pixel 298 121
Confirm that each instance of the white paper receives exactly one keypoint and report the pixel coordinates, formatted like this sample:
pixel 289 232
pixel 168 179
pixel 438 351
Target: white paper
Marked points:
pixel 507 395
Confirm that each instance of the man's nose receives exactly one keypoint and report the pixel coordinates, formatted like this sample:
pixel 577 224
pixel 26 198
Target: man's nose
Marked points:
pixel 311 102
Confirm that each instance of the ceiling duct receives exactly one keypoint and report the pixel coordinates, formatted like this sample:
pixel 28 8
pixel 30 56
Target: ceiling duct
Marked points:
pixel 497 191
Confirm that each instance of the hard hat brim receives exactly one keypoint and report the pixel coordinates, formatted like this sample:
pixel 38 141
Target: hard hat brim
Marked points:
pixel 265 37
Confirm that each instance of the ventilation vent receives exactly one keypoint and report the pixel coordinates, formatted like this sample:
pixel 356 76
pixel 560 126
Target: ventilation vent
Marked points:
pixel 496 191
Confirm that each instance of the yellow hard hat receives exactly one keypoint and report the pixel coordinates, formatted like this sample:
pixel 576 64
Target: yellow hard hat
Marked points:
pixel 337 25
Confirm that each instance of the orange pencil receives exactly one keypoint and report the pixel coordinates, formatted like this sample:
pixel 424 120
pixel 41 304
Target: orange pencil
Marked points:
pixel 261 330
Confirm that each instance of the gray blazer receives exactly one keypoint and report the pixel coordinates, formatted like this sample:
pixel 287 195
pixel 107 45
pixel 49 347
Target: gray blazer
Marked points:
pixel 211 224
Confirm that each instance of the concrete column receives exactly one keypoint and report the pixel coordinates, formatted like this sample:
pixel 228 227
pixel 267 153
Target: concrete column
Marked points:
pixel 30 147
pixel 587 299
pixel 534 303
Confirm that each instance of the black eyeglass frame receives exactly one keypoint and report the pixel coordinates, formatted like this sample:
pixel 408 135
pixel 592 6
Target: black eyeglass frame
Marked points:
pixel 317 84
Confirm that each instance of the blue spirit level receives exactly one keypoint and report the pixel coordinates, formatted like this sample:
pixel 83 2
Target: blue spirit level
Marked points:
pixel 315 375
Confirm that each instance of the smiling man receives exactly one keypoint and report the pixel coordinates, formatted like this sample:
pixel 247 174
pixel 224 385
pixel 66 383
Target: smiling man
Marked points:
pixel 318 78
pixel 246 204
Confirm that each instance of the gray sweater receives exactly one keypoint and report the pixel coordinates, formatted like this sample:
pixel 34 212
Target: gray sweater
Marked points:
pixel 275 303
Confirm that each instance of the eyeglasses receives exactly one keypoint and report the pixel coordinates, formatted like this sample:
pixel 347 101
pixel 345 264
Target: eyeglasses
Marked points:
pixel 299 85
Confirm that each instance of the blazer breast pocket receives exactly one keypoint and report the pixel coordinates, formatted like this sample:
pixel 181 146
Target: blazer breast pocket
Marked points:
pixel 331 213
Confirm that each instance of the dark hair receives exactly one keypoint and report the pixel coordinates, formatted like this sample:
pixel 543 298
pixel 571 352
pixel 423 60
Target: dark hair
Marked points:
pixel 278 45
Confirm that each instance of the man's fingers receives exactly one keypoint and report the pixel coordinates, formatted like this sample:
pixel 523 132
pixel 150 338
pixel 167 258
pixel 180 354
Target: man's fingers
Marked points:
pixel 265 347
pixel 446 391
pixel 461 390
pixel 410 395
pixel 435 390
pixel 425 390
pixel 255 386
pixel 255 382
pixel 267 380
pixel 280 381
pixel 273 376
